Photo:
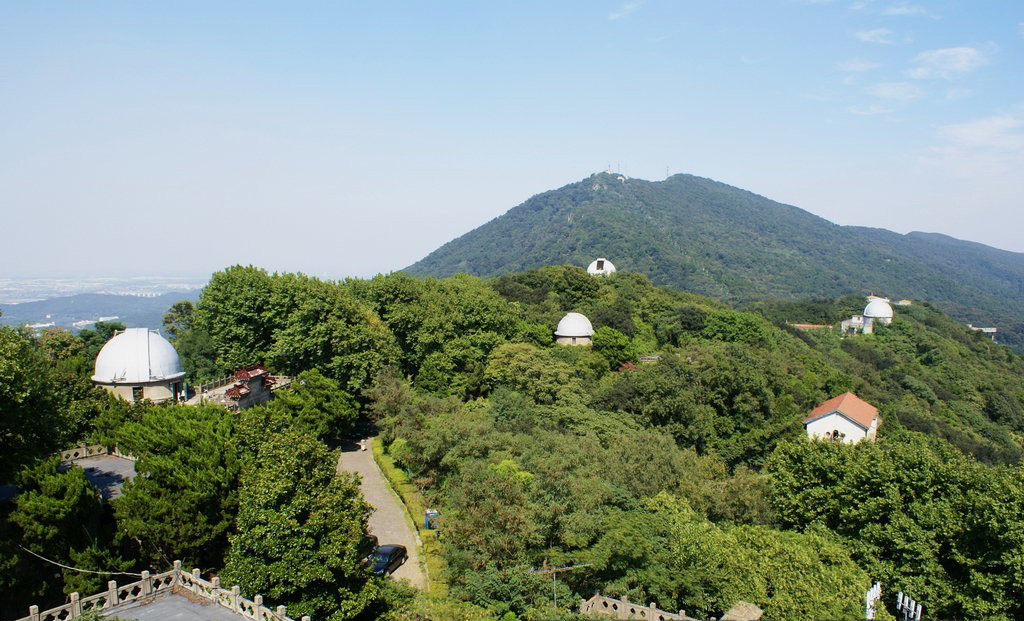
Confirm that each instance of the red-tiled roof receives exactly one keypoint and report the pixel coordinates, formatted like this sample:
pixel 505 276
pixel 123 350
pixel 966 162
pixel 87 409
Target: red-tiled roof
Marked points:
pixel 849 405
pixel 249 372
pixel 237 391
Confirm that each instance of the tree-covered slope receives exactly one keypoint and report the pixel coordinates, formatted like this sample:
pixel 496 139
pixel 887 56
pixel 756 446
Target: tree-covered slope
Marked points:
pixel 699 235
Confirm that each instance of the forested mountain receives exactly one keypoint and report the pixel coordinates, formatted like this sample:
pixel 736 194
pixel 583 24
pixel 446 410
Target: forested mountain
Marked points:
pixel 669 458
pixel 706 237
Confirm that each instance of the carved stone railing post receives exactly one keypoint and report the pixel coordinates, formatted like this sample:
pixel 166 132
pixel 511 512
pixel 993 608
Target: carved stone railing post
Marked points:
pixel 111 593
pixel 76 605
pixel 147 586
pixel 33 611
pixel 216 582
pixel 281 616
pixel 305 618
pixel 177 572
pixel 235 596
pixel 195 580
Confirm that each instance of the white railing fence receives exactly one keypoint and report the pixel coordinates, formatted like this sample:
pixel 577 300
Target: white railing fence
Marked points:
pixel 167 582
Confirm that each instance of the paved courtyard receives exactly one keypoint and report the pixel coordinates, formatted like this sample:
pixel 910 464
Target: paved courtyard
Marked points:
pixel 107 473
pixel 173 607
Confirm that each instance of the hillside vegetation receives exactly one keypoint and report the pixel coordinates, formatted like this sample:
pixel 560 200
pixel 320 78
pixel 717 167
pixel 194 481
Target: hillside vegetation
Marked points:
pixel 699 235
pixel 669 457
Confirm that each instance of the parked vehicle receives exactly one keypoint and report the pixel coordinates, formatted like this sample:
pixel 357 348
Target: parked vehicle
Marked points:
pixel 386 559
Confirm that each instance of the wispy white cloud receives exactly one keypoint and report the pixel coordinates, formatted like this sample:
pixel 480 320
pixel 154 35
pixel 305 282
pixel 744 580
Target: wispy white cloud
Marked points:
pixel 946 63
pixel 897 91
pixel 1000 132
pixel 989 148
pixel 883 36
pixel 857 65
pixel 871 110
pixel 625 10
pixel 904 8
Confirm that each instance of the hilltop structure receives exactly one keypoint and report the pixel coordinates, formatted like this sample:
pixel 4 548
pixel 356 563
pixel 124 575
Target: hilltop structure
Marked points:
pixel 600 267
pixel 137 364
pixel 878 311
pixel 846 418
pixel 574 329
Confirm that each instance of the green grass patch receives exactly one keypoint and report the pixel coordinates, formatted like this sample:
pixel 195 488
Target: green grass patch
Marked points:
pixel 415 507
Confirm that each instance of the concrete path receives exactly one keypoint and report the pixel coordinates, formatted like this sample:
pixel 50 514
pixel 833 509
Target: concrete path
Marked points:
pixel 388 521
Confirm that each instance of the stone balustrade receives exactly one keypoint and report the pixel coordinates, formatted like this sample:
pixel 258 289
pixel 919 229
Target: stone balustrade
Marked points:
pixel 92 450
pixel 151 585
pixel 599 605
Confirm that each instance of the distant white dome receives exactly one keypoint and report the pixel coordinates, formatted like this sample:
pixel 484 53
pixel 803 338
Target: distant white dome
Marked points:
pixel 574 325
pixel 878 309
pixel 600 267
pixel 137 356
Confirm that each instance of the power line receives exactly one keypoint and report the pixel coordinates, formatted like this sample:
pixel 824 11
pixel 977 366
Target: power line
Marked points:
pixel 84 571
pixel 554 571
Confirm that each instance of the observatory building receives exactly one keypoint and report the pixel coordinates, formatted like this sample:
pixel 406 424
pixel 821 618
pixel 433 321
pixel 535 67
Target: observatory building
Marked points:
pixel 600 267
pixel 139 364
pixel 574 329
pixel 877 311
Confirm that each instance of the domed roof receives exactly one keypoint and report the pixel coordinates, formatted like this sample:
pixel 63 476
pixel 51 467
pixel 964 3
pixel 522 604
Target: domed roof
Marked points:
pixel 600 266
pixel 136 356
pixel 574 324
pixel 878 309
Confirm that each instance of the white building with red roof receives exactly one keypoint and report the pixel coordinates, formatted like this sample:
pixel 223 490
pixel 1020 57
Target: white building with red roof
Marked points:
pixel 846 418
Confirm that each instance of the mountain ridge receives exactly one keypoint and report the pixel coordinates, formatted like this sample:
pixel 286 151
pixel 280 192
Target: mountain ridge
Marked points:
pixel 697 234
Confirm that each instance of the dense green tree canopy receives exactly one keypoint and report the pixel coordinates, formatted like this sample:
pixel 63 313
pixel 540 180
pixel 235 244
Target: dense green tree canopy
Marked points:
pixel 182 504
pixel 298 531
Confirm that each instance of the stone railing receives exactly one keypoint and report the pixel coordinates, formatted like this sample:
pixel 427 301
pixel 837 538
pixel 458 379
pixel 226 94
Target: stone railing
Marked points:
pixel 92 450
pixel 150 585
pixel 599 605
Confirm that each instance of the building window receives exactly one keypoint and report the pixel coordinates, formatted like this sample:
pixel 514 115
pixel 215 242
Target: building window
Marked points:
pixel 136 393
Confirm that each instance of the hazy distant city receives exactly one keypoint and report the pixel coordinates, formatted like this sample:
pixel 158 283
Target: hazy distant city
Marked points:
pixel 20 290
pixel 78 303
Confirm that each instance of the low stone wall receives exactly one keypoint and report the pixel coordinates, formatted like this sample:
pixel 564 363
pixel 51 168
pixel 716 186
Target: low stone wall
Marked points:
pixel 602 606
pixel 92 450
pixel 152 585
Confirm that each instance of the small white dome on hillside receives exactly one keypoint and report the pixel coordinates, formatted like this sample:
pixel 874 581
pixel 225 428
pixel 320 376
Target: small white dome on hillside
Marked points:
pixel 137 356
pixel 600 267
pixel 878 309
pixel 574 325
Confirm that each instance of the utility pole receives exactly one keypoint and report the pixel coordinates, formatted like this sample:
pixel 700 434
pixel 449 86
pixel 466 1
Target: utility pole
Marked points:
pixel 554 571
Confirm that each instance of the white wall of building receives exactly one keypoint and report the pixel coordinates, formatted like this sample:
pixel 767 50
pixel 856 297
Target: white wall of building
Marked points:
pixel 826 425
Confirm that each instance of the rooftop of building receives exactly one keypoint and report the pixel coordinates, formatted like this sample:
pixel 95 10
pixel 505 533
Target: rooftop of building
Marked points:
pixel 849 405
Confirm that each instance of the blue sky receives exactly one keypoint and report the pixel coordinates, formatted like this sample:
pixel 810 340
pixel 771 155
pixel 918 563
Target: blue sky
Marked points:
pixel 353 138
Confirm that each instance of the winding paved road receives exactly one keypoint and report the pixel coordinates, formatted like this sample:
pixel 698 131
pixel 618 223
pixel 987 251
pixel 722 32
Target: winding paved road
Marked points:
pixel 387 521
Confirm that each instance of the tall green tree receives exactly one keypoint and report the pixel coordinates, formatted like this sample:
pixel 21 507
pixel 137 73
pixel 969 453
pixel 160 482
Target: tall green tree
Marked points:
pixel 233 310
pixel 316 405
pixel 298 531
pixel 30 423
pixel 183 502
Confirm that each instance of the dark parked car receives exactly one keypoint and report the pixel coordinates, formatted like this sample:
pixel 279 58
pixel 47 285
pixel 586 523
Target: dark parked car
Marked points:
pixel 387 559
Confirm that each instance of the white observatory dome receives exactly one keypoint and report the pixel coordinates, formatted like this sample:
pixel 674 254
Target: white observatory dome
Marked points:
pixel 574 325
pixel 878 309
pixel 137 356
pixel 600 267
